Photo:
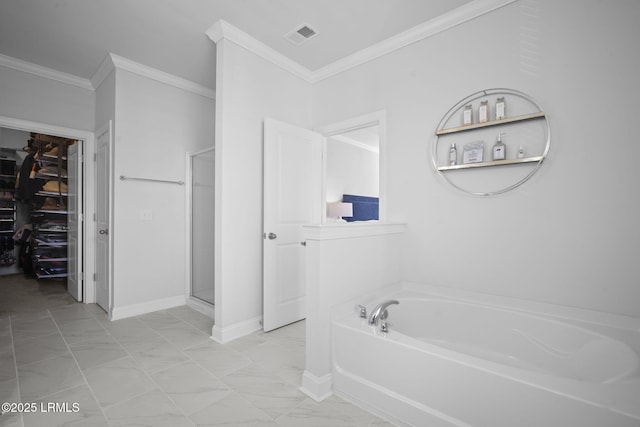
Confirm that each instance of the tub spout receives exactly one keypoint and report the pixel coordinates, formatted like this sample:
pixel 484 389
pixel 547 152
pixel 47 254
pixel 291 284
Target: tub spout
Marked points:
pixel 380 311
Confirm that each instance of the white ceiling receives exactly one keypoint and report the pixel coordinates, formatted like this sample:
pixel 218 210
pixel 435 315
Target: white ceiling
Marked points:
pixel 74 36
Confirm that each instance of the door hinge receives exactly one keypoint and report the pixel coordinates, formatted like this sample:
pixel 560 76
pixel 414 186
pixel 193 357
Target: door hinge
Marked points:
pixel 95 277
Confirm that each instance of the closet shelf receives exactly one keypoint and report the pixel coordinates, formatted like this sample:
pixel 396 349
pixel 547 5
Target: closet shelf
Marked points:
pixel 52 211
pixel 50 175
pixel 39 259
pixel 43 243
pixel 50 276
pixel 52 157
pixel 51 193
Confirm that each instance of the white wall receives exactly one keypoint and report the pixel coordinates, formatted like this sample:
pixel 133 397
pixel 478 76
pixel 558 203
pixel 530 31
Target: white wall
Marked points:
pixel 37 99
pixel 14 138
pixel 350 170
pixel 156 124
pixel 248 89
pixel 570 235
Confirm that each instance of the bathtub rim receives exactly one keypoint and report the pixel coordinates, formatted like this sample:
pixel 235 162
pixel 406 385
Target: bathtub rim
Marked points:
pixel 570 325
pixel 552 310
pixel 345 382
pixel 344 315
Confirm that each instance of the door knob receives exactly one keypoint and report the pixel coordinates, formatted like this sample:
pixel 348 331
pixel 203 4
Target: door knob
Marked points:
pixel 103 231
pixel 272 236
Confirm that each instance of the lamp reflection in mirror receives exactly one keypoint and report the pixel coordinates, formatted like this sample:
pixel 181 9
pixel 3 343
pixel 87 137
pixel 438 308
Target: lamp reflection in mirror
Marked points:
pixel 339 209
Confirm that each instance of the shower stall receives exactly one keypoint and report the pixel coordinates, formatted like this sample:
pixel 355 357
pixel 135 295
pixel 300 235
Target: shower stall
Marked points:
pixel 202 205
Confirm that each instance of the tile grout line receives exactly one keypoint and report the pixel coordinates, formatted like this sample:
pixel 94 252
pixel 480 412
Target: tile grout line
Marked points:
pixel 40 360
pixel 78 365
pixel 172 366
pixel 220 378
pixel 15 365
pixel 129 355
pixel 146 373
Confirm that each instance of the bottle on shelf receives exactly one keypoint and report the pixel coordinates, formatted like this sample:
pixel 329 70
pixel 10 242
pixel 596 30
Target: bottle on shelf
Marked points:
pixel 453 155
pixel 520 154
pixel 467 115
pixel 501 108
pixel 499 149
pixel 483 112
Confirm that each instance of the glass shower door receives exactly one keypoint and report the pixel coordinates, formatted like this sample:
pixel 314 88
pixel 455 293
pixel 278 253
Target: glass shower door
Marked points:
pixel 202 231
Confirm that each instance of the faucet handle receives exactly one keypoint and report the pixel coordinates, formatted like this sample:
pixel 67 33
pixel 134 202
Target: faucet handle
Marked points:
pixel 362 310
pixel 384 326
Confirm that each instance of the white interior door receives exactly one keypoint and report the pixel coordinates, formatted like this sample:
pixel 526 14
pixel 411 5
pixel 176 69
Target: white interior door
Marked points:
pixel 74 221
pixel 103 209
pixel 292 197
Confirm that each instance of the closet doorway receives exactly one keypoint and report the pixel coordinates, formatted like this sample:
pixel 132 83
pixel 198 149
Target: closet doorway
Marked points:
pixel 44 214
pixel 202 205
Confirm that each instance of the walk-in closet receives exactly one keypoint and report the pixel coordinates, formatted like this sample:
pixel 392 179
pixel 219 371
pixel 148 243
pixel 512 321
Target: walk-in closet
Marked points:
pixel 34 214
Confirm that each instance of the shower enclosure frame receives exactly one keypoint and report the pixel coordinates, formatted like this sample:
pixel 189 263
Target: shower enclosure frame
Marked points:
pixel 204 306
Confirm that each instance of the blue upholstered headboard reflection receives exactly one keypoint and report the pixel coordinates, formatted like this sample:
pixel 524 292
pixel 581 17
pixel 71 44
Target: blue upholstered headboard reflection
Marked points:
pixel 364 208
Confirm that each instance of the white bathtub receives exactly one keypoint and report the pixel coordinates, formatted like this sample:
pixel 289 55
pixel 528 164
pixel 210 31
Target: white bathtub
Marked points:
pixel 456 359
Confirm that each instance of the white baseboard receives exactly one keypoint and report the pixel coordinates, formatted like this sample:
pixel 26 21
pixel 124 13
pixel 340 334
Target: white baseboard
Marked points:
pixel 225 334
pixel 201 307
pixel 317 388
pixel 123 312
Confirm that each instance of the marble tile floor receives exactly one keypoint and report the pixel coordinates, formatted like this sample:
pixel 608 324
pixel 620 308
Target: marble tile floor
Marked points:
pixel 158 369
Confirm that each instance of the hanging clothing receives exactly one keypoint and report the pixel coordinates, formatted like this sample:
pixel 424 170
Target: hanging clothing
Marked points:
pixel 28 186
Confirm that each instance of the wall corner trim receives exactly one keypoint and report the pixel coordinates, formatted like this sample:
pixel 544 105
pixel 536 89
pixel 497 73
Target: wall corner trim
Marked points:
pixel 105 68
pixel 223 30
pixel 47 73
pixel 225 334
pixel 317 388
pixel 115 61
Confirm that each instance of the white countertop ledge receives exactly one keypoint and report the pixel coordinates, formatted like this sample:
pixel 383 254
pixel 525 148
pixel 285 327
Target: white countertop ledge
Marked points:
pixel 348 230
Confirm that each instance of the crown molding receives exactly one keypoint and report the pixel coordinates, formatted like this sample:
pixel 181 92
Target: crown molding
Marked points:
pixel 105 68
pixel 422 31
pixel 223 30
pixel 47 73
pixel 113 61
pixel 476 8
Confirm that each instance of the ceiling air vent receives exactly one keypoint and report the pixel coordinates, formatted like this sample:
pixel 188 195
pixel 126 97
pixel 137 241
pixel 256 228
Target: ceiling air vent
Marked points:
pixel 301 34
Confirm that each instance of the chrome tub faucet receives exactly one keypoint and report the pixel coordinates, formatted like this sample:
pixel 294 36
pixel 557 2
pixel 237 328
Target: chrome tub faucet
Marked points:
pixel 380 311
